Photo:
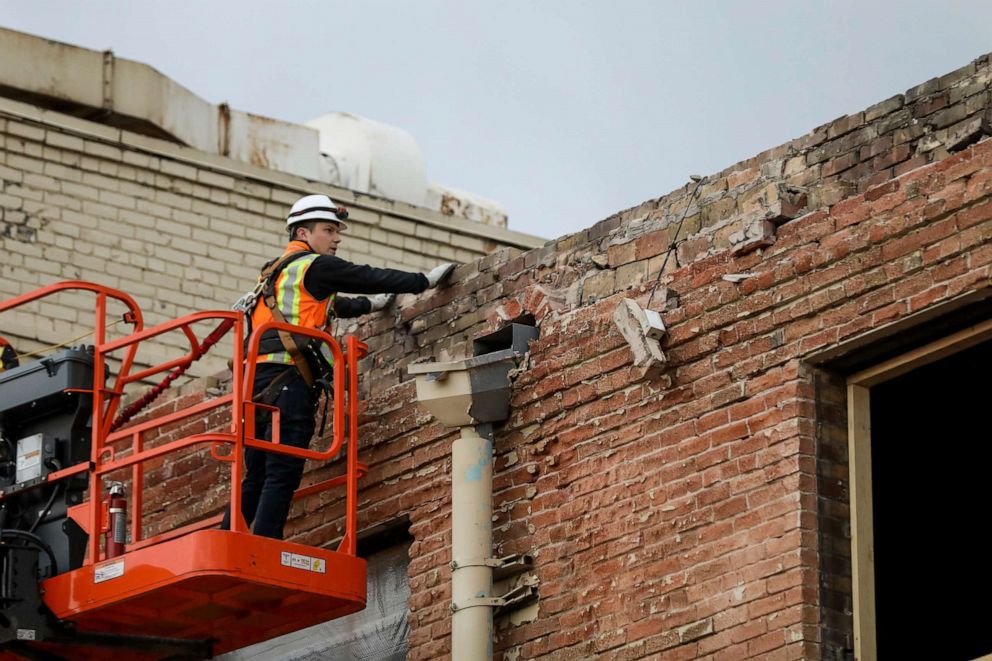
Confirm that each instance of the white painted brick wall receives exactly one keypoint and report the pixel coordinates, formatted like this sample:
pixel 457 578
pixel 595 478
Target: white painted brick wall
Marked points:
pixel 178 235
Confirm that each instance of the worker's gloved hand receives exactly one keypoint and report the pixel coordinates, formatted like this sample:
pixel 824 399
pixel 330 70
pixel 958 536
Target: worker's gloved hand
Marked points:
pixel 439 274
pixel 381 301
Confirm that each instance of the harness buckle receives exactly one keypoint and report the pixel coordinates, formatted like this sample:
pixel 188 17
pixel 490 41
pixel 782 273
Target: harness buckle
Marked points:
pixel 246 303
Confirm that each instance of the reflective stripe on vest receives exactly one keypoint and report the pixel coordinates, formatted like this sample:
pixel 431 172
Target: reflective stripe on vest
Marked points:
pixel 290 292
pixel 278 357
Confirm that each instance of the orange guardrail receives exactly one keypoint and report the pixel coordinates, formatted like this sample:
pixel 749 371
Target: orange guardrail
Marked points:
pixel 107 443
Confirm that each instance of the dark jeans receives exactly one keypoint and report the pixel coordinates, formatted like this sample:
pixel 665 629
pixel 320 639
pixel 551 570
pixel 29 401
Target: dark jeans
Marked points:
pixel 271 478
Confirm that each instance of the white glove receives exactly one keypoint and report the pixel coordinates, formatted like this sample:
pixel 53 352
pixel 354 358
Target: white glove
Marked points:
pixel 381 301
pixel 439 273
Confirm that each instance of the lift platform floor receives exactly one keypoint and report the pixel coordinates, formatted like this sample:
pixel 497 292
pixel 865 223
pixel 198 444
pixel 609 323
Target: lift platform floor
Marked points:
pixel 233 588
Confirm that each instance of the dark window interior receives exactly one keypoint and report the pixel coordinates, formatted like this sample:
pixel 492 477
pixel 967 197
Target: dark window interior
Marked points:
pixel 932 489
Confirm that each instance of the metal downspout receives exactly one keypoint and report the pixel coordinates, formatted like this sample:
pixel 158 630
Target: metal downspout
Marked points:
pixel 471 545
pixel 471 394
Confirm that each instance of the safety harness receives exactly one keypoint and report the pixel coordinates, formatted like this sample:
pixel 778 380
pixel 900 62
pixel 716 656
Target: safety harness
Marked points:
pixel 317 373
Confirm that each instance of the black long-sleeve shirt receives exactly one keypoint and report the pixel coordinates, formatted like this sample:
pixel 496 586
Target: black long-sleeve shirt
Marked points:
pixel 328 274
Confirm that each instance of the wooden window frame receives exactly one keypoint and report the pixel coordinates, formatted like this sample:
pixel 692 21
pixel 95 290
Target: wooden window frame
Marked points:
pixel 859 460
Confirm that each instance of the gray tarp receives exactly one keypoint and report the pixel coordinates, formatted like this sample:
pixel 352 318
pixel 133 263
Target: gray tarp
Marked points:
pixel 378 633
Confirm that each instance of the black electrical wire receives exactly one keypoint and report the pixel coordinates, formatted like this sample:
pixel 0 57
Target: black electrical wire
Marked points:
pixel 36 541
pixel 51 462
pixel 675 243
pixel 48 507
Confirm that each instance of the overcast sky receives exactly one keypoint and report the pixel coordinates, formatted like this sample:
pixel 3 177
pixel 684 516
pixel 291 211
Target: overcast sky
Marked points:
pixel 562 111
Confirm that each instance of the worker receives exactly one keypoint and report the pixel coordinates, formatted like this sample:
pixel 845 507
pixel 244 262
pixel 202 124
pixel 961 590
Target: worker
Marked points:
pixel 302 291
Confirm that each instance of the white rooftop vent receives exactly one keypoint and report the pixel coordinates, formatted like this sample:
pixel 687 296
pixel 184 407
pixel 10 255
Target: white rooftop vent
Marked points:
pixel 338 148
pixel 371 157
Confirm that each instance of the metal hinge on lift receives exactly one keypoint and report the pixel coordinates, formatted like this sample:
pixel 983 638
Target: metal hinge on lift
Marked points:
pixel 503 568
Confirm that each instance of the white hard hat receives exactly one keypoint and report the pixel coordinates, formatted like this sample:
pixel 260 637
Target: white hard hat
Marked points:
pixel 316 207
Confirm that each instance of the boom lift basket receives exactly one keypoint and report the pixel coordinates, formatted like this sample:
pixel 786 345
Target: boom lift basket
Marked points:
pixel 189 592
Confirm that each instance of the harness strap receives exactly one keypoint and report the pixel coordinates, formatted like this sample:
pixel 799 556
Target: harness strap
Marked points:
pixel 271 392
pixel 292 344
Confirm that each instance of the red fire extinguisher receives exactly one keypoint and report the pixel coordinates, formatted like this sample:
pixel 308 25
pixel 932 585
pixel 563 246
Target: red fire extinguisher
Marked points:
pixel 116 520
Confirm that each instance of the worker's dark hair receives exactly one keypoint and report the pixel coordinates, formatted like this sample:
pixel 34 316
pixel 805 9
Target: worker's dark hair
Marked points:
pixel 309 224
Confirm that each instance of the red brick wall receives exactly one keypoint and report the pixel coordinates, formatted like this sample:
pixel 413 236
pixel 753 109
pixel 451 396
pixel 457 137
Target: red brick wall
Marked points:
pixel 693 515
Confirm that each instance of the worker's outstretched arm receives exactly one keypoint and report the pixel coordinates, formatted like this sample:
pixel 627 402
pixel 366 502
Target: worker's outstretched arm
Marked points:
pixel 330 274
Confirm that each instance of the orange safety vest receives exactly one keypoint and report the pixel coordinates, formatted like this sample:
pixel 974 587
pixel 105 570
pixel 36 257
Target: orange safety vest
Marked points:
pixel 295 303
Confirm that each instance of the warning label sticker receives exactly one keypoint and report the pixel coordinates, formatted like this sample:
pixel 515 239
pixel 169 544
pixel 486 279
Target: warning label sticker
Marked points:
pixel 304 562
pixel 109 570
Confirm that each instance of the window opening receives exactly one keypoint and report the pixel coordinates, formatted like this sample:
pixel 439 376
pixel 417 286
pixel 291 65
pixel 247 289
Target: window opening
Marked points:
pixel 920 445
